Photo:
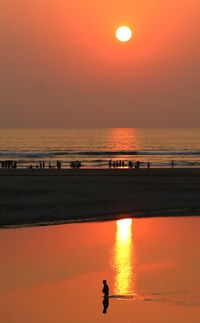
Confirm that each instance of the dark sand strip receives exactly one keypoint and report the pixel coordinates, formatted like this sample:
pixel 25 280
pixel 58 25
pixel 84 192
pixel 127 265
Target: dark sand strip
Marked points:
pixel 41 197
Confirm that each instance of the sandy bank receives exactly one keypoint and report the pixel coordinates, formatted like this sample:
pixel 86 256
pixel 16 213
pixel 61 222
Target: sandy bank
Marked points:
pixel 51 196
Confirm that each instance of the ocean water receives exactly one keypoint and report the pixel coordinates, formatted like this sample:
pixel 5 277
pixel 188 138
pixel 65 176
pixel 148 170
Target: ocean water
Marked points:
pixel 95 147
pixel 152 266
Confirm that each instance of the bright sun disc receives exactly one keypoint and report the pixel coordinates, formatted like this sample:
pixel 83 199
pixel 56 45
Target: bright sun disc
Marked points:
pixel 124 33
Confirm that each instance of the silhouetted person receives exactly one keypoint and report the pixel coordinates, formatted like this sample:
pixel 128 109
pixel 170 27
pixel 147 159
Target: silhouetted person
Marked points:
pixel 15 165
pixel 148 165
pixel 105 289
pixel 172 163
pixel 130 164
pixel 58 164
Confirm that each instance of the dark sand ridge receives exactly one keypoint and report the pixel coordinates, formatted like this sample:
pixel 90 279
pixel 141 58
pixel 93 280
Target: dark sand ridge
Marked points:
pixel 30 197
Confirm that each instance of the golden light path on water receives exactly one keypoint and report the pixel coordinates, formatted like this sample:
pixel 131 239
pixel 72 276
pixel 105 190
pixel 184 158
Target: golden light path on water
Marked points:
pixel 124 276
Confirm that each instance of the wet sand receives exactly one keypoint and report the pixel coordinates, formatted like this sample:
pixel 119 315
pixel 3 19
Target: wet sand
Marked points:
pixel 54 274
pixel 34 196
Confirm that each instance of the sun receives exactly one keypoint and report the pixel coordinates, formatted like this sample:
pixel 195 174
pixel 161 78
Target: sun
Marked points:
pixel 124 33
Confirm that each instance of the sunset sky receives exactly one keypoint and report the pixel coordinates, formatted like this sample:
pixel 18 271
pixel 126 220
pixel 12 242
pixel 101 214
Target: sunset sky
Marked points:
pixel 62 66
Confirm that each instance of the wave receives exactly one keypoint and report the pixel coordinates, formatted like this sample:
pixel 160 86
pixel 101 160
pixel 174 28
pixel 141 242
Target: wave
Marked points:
pixel 32 154
pixel 73 153
pixel 132 153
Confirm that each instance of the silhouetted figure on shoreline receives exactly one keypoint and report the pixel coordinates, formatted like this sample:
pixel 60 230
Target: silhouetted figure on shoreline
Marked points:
pixel 58 164
pixel 130 164
pixel 138 164
pixel 76 164
pixel 105 291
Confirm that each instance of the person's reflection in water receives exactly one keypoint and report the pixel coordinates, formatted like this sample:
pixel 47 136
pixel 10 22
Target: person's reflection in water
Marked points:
pixel 105 291
pixel 105 304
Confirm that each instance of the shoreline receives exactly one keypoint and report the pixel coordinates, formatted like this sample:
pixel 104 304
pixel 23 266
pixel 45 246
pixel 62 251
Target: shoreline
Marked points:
pixel 105 218
pixel 142 171
pixel 34 197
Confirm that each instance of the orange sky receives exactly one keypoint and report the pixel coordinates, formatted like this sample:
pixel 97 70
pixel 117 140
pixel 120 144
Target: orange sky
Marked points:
pixel 61 65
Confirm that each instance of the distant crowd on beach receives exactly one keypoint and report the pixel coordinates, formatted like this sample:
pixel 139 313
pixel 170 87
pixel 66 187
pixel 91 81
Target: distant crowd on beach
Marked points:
pixel 129 164
pixel 7 164
pixel 77 164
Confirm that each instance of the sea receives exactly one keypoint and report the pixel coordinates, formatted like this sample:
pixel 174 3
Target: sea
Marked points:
pixel 95 147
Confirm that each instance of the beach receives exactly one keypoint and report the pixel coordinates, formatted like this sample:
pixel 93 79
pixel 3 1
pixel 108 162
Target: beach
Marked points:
pixel 42 196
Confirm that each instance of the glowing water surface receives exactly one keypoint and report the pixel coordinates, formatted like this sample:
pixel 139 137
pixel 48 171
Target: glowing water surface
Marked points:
pixel 124 258
pixel 54 274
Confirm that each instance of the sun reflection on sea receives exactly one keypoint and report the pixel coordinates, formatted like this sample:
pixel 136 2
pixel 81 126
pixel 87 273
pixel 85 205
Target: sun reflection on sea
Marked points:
pixel 123 262
pixel 122 139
